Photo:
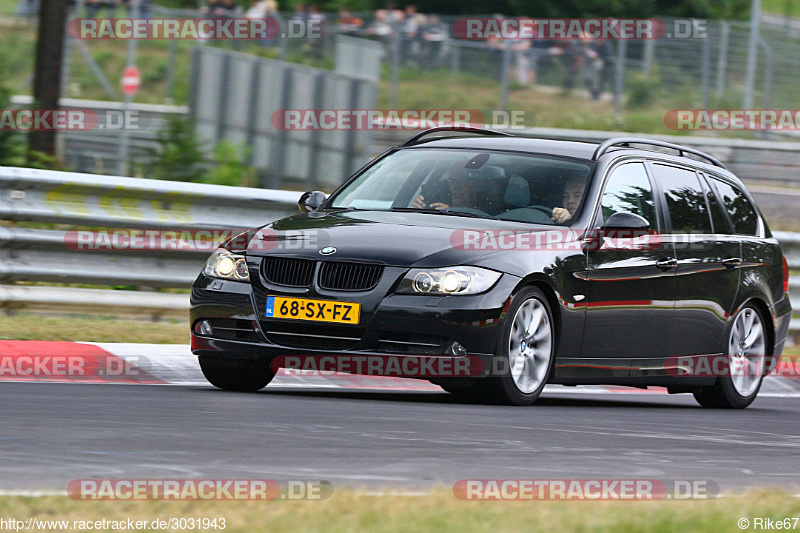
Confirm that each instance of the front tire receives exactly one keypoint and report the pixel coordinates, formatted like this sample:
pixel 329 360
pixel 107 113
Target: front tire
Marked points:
pixel 526 350
pixel 746 349
pixel 462 388
pixel 236 375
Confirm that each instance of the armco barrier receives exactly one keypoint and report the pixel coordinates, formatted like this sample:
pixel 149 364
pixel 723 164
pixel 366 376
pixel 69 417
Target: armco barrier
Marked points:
pixel 41 255
pixel 115 202
pixel 87 200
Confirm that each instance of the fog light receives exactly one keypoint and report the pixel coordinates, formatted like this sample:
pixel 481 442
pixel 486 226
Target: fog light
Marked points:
pixel 203 328
pixel 455 348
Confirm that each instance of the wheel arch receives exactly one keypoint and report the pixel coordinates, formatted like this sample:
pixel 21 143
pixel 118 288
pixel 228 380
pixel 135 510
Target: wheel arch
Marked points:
pixel 541 282
pixel 769 325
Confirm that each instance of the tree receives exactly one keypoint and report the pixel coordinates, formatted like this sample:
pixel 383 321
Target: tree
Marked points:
pixel 47 77
pixel 181 155
pixel 12 145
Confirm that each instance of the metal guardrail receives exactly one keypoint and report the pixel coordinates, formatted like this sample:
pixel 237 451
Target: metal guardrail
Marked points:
pixel 84 200
pixel 116 202
pixel 96 150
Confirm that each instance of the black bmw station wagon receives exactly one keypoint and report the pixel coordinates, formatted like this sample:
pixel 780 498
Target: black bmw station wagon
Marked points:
pixel 633 262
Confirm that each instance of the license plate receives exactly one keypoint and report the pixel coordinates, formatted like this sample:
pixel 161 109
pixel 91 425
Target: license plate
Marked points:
pixel 315 310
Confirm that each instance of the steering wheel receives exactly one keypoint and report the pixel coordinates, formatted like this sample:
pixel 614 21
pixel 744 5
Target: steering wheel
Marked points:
pixel 546 210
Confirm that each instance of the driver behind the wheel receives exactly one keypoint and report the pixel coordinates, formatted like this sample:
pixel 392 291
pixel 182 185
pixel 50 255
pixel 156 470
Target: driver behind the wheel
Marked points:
pixel 573 194
pixel 465 188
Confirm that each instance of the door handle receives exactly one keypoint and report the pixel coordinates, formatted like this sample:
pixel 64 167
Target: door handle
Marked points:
pixel 731 262
pixel 667 263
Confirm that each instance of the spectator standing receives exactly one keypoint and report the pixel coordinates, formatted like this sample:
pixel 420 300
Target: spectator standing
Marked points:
pixel 318 23
pixel 349 24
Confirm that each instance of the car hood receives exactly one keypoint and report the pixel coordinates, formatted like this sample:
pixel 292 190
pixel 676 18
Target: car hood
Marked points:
pixel 393 238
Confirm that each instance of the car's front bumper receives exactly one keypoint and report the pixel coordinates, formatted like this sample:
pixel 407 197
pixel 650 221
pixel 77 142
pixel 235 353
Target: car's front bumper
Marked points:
pixel 473 321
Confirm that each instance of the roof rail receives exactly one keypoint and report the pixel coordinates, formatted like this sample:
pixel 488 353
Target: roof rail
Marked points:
pixel 620 141
pixel 463 129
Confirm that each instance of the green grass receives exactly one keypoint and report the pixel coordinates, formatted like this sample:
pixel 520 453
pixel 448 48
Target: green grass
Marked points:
pixel 30 326
pixel 8 6
pixel 439 511
pixel 779 7
pixel 543 107
pixel 791 352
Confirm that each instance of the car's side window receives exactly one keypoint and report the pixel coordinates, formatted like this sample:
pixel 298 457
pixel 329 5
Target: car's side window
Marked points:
pixel 718 218
pixel 742 213
pixel 685 198
pixel 628 190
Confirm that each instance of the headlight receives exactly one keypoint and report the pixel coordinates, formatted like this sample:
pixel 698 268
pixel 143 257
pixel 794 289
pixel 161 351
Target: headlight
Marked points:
pixel 450 280
pixel 225 265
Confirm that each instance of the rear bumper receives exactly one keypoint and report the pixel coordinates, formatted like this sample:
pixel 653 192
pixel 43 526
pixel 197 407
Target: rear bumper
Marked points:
pixel 781 318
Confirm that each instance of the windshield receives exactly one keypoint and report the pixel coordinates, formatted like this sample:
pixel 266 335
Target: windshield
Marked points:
pixel 521 188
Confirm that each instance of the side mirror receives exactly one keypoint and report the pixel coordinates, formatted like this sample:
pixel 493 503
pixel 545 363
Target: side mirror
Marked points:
pixel 626 220
pixel 618 226
pixel 311 200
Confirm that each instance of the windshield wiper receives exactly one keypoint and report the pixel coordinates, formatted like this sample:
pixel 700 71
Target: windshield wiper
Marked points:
pixel 445 211
pixel 415 210
pixel 337 209
pixel 449 211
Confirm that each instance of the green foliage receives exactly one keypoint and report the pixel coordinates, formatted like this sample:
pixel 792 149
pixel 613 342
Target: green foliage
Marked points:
pixel 229 167
pixel 566 8
pixel 737 9
pixel 43 161
pixel 643 89
pixel 103 57
pixel 181 155
pixel 12 144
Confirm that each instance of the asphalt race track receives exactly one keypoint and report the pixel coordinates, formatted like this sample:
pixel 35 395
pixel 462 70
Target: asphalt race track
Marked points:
pixel 53 433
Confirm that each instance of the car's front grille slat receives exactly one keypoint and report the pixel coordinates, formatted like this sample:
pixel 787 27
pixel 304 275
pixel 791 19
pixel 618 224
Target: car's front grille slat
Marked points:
pixel 312 336
pixel 333 275
pixel 338 276
pixel 288 271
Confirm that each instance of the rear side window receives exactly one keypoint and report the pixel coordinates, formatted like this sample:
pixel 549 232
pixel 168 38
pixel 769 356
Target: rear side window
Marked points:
pixel 718 217
pixel 742 213
pixel 628 190
pixel 685 199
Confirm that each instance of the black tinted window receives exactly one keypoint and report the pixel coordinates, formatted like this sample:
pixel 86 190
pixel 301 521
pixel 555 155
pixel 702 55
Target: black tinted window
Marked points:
pixel 628 190
pixel 741 211
pixel 718 218
pixel 717 215
pixel 685 198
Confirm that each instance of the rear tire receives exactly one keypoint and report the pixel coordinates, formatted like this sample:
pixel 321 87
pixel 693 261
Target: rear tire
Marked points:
pixel 526 349
pixel 237 375
pixel 747 355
